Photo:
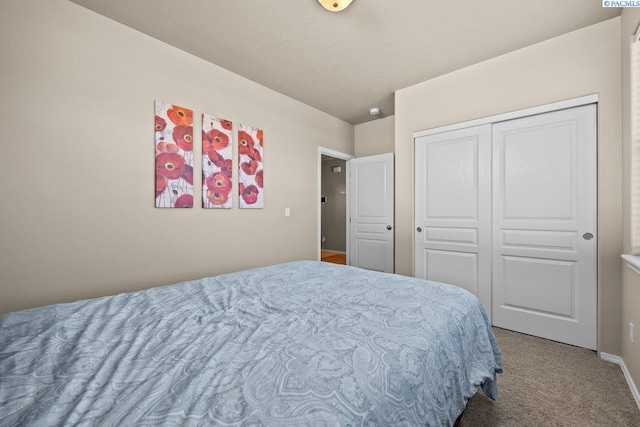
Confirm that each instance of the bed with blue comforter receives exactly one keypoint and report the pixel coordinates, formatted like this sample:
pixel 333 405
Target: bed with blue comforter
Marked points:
pixel 296 344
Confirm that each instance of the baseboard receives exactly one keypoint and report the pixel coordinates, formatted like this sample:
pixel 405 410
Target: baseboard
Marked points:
pixel 625 371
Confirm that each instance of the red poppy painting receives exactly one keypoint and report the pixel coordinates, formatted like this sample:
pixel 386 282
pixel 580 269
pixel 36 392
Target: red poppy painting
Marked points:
pixel 250 167
pixel 174 156
pixel 217 152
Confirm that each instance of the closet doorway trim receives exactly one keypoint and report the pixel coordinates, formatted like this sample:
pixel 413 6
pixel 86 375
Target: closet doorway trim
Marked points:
pixel 560 105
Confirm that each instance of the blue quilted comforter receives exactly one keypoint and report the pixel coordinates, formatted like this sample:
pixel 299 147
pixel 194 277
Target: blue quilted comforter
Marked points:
pixel 296 344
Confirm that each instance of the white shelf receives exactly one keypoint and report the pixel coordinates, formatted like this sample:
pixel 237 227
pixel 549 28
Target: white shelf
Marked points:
pixel 633 262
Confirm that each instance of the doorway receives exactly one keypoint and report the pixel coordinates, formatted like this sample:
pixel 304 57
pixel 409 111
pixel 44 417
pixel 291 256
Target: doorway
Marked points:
pixel 333 209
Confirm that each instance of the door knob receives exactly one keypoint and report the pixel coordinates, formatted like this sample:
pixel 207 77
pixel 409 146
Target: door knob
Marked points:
pixel 389 227
pixel 419 229
pixel 587 236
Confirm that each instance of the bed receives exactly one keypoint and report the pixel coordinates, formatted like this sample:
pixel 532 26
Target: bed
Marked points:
pixel 303 343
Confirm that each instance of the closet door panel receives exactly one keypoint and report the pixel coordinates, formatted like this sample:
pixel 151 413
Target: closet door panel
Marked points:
pixel 544 225
pixel 453 210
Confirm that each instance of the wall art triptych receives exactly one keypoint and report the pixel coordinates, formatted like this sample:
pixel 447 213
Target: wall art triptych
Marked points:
pixel 174 161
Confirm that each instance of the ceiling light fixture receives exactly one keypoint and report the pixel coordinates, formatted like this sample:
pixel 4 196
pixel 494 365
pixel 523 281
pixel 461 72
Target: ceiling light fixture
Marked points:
pixel 335 5
pixel 374 111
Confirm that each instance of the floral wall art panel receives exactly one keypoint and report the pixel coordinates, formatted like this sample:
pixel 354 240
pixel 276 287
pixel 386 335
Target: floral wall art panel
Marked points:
pixel 250 167
pixel 174 156
pixel 217 155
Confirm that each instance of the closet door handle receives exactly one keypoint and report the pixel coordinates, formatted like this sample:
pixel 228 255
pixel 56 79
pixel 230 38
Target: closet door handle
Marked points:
pixel 587 236
pixel 419 229
pixel 389 227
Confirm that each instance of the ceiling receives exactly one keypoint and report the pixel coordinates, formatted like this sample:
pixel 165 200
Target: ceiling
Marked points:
pixel 344 63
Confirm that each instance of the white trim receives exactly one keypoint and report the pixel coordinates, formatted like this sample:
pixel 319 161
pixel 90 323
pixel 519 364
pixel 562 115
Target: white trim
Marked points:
pixel 561 105
pixel 633 262
pixel 625 371
pixel 333 153
pixel 338 155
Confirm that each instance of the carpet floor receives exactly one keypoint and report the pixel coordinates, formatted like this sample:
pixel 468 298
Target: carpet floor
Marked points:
pixel 546 383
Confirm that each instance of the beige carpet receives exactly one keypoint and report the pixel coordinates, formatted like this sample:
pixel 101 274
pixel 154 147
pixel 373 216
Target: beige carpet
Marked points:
pixel 546 383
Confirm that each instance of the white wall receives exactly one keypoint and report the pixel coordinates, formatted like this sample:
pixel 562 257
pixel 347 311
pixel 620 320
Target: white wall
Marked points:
pixel 77 212
pixel 583 62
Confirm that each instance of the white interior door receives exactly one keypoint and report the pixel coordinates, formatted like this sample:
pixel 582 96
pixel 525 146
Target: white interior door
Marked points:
pixel 371 209
pixel 453 210
pixel 544 225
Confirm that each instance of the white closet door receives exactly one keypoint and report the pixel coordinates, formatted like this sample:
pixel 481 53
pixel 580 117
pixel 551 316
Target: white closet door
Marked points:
pixel 453 210
pixel 544 225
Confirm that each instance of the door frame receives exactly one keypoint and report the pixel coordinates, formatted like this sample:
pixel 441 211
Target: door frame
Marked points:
pixel 342 156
